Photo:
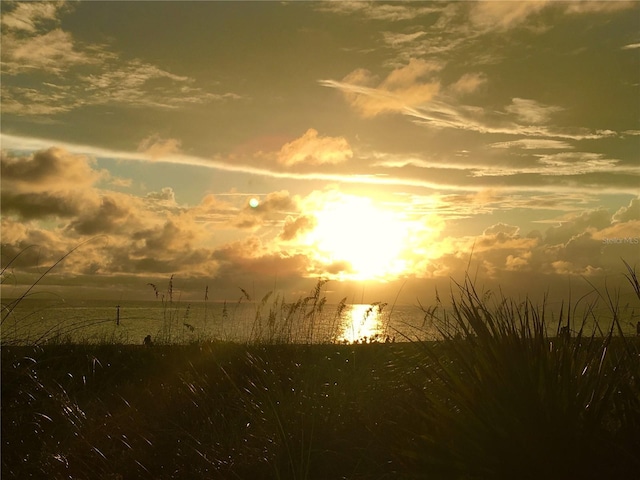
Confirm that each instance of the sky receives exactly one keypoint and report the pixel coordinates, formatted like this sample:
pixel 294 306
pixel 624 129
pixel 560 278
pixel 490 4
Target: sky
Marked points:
pixel 390 148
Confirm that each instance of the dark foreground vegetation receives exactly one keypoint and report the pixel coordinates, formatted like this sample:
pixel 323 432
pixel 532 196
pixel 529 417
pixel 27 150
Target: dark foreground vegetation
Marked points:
pixel 496 398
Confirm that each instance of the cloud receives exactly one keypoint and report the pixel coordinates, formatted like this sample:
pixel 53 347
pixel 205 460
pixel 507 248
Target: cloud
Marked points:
pixel 530 111
pixel 378 11
pixel 490 15
pixel 45 170
pixel 249 261
pixel 468 83
pixel 171 236
pixel 534 144
pixel 589 243
pixel 400 39
pixel 628 213
pixel 157 147
pixel 315 150
pixel 560 164
pixel 83 74
pixel 53 52
pixel 28 16
pixel 272 207
pixel 577 225
pixel 280 201
pixel 404 87
pixel 47 183
pixel 501 228
pixel 295 226
pixel 166 195
pixel 587 6
pixel 503 15
pixel 443 114
pixel 113 215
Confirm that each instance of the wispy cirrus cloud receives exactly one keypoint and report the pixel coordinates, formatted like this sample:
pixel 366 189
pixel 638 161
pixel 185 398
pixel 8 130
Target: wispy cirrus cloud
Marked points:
pixel 563 164
pixel 378 11
pixel 27 16
pixel 405 87
pixel 443 114
pixel 54 52
pixel 534 144
pixel 415 90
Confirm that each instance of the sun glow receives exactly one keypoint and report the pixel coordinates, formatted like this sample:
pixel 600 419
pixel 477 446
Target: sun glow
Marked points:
pixel 357 240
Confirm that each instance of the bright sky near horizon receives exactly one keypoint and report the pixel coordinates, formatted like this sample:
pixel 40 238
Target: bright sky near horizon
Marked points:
pixel 270 144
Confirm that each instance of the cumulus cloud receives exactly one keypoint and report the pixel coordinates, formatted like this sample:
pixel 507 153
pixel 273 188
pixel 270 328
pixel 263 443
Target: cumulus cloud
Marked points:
pixel 405 87
pixel 250 260
pixel 46 170
pixel 41 205
pixel 499 228
pixel 272 207
pixel 587 244
pixel 628 213
pixel 577 225
pixel 280 201
pixel 295 226
pixel 315 150
pixel 111 216
pixel 161 238
pixel 166 195
pixel 157 147
pixel 47 183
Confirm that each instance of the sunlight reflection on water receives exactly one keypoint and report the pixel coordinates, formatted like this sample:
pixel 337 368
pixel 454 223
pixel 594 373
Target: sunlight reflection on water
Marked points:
pixel 362 323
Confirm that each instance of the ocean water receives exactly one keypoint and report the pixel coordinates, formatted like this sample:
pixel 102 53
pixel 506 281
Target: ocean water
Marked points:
pixel 40 320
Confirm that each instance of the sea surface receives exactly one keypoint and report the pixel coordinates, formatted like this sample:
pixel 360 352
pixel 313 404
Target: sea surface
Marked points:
pixel 41 320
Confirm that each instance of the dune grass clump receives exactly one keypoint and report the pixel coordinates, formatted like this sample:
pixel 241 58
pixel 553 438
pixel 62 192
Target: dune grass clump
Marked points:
pixel 215 410
pixel 499 397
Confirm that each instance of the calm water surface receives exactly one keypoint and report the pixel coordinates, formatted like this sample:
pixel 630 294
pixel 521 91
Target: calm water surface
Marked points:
pixel 37 320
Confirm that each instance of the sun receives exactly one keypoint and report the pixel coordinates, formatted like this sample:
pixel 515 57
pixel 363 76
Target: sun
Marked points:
pixel 368 239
